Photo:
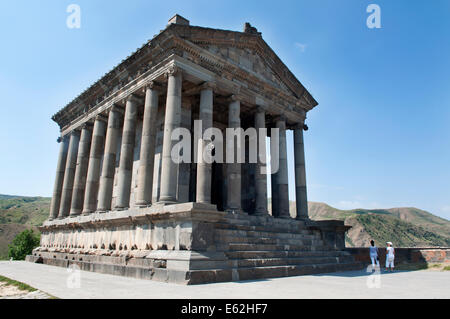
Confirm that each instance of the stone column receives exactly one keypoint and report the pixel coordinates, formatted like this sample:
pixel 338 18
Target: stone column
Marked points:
pixel 127 154
pixel 109 159
pixel 71 162
pixel 172 118
pixel 280 191
pixel 234 169
pixel 261 179
pixel 81 170
pixel 95 158
pixel 148 141
pixel 300 174
pixel 184 169
pixel 203 192
pixel 60 170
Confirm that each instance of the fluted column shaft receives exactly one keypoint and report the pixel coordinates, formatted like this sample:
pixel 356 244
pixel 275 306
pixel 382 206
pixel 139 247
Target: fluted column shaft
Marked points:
pixel 109 160
pixel 234 169
pixel 300 174
pixel 81 171
pixel 95 158
pixel 147 159
pixel 204 168
pixel 169 169
pixel 59 179
pixel 127 154
pixel 261 179
pixel 69 175
pixel 280 191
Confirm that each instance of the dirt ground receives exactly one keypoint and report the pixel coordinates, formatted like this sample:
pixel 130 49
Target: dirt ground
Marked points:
pixel 8 291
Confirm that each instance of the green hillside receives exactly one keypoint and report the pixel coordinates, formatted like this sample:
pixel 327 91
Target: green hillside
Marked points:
pixel 30 211
pixel 18 213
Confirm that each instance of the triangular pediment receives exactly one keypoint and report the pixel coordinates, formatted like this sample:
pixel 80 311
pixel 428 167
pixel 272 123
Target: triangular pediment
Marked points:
pixel 248 60
pixel 249 52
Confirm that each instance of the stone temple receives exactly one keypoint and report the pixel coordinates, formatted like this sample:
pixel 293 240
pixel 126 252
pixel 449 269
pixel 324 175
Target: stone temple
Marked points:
pixel 122 206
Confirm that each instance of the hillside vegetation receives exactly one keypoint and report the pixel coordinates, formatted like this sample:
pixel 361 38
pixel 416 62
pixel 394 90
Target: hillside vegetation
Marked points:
pixel 18 213
pixel 405 226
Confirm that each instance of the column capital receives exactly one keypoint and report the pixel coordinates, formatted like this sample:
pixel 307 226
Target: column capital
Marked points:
pixel 62 138
pixel 260 109
pixel 86 125
pixel 173 70
pixel 101 117
pixel 134 98
pixel 209 85
pixel 234 98
pixel 76 131
pixel 279 118
pixel 116 108
pixel 300 126
pixel 153 85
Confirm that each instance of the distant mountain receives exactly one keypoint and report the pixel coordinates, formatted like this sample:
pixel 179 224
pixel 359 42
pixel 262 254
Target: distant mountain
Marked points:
pixel 404 226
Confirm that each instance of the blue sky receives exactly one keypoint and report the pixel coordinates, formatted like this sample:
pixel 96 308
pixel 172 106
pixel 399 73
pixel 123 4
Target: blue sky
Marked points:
pixel 379 138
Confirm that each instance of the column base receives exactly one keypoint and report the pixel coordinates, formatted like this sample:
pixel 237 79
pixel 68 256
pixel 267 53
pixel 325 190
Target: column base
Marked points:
pixel 235 211
pixel 143 206
pixel 284 217
pixel 167 202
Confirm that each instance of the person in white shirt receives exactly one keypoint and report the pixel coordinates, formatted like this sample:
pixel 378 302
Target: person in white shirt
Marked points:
pixel 373 252
pixel 390 255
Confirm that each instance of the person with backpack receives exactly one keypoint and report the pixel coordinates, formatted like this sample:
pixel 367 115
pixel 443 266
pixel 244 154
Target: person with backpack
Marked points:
pixel 390 256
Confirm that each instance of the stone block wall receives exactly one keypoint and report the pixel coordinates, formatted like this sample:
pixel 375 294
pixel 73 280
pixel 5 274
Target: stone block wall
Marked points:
pixel 405 255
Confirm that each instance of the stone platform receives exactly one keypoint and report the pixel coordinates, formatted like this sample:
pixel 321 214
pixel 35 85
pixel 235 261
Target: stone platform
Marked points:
pixel 193 243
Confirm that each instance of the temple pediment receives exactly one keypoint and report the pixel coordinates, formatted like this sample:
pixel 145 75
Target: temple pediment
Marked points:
pixel 249 61
pixel 248 51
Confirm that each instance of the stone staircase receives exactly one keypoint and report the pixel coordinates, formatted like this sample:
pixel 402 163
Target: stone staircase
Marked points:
pixel 265 247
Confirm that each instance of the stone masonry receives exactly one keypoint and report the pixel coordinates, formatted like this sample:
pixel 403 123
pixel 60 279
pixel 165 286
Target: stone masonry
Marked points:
pixel 122 205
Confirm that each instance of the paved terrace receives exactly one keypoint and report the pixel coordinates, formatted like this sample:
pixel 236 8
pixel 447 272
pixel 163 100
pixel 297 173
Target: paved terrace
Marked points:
pixel 352 284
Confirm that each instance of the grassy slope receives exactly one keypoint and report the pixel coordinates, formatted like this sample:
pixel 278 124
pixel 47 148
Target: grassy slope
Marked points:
pixel 18 213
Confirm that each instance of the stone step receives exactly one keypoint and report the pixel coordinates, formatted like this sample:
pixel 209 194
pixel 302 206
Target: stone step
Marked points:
pixel 263 262
pixel 269 228
pixel 249 273
pixel 263 220
pixel 270 247
pixel 249 254
pixel 222 239
pixel 264 234
pixel 293 270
